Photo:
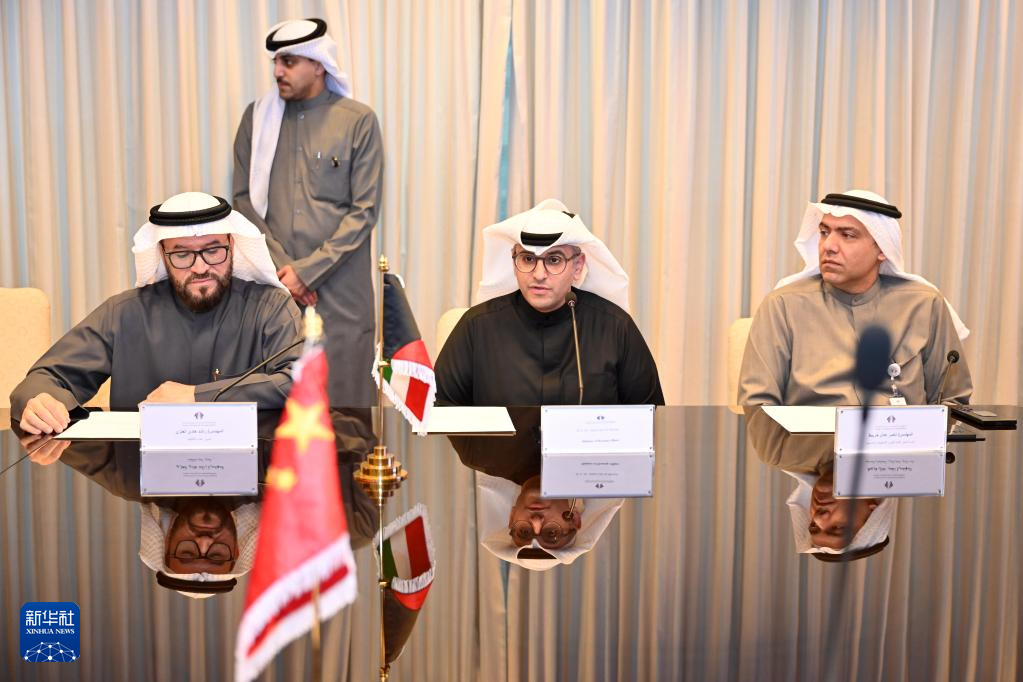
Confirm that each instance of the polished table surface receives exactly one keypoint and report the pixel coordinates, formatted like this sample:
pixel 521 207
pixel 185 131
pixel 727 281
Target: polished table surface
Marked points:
pixel 701 581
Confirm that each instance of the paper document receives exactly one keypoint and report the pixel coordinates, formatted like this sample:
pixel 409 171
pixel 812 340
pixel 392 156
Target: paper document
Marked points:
pixel 800 419
pixel 479 420
pixel 104 426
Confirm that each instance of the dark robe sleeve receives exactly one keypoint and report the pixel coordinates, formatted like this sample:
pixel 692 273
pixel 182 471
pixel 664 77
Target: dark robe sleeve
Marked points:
pixel 270 386
pixel 454 367
pixel 638 382
pixel 75 367
pixel 240 187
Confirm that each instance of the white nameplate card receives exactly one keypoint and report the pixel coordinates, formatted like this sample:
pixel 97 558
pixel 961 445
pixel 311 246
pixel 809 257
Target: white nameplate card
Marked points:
pixel 911 474
pixel 597 450
pixel 198 472
pixel 916 428
pixel 198 426
pixel 899 452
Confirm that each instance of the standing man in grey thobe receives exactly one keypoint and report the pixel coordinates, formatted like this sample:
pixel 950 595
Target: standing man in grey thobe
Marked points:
pixel 309 170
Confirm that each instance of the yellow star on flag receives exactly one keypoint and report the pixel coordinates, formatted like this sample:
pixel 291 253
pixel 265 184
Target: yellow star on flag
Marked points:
pixel 282 479
pixel 304 425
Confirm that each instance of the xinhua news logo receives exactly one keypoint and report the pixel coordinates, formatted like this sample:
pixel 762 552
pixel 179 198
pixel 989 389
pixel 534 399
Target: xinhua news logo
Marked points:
pixel 51 632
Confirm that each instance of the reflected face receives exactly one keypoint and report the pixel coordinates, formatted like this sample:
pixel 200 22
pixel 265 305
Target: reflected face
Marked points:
pixel 830 517
pixel 848 256
pixel 552 522
pixel 202 539
pixel 202 286
pixel 298 78
pixel 543 290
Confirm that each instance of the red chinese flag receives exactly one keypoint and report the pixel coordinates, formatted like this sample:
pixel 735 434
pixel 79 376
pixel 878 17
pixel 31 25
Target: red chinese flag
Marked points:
pixel 303 535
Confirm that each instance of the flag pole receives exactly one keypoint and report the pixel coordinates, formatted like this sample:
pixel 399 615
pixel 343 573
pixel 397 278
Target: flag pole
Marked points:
pixel 317 653
pixel 384 266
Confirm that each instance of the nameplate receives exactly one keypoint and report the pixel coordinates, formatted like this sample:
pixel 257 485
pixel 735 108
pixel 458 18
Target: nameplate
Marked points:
pixel 891 429
pixel 594 429
pixel 198 426
pixel 890 475
pixel 168 473
pixel 611 475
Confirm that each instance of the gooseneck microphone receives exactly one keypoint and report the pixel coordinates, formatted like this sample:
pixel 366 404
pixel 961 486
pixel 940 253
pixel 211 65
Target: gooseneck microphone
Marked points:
pixel 259 366
pixel 570 299
pixel 952 358
pixel 872 358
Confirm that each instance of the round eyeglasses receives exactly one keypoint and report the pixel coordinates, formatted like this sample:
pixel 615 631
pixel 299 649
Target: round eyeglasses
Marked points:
pixel 184 259
pixel 188 550
pixel 552 534
pixel 554 263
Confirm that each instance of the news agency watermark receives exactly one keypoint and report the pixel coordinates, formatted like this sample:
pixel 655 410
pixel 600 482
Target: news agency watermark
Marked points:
pixel 51 632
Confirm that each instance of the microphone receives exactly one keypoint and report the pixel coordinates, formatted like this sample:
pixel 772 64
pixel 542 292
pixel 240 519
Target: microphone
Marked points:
pixel 259 366
pixel 952 358
pixel 570 299
pixel 872 358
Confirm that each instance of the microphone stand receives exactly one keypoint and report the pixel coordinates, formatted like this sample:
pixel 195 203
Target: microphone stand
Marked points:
pixel 259 366
pixel 571 298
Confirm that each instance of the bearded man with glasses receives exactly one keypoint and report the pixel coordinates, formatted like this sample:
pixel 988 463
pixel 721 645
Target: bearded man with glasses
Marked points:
pixel 517 347
pixel 207 306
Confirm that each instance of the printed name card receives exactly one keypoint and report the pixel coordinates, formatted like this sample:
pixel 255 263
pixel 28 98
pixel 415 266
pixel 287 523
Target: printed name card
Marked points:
pixel 898 452
pixel 597 451
pixel 198 426
pixel 198 472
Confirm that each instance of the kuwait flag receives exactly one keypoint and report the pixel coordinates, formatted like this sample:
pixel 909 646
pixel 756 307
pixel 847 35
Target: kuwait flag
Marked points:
pixel 408 380
pixel 408 567
pixel 303 534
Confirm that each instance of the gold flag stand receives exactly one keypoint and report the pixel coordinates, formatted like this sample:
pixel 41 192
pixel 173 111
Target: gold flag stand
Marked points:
pixel 381 474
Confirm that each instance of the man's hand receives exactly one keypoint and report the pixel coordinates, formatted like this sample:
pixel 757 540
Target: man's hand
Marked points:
pixel 299 291
pixel 172 392
pixel 49 452
pixel 44 414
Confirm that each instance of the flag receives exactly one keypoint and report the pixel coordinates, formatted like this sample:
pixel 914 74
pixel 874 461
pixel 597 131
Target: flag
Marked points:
pixel 303 534
pixel 408 380
pixel 408 567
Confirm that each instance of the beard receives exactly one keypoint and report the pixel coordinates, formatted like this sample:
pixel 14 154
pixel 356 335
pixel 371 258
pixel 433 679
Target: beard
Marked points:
pixel 216 289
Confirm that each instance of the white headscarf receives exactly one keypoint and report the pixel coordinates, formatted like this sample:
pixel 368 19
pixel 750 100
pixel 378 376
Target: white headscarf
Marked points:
pixel 885 231
pixel 251 258
pixel 156 523
pixel 873 532
pixel 268 111
pixel 495 497
pixel 602 275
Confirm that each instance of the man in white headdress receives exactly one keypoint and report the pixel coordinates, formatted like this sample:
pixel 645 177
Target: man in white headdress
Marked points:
pixel 207 307
pixel 309 172
pixel 517 346
pixel 803 340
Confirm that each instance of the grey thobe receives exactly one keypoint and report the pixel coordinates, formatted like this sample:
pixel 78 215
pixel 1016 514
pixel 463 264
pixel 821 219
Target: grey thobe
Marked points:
pixel 802 344
pixel 144 337
pixel 325 186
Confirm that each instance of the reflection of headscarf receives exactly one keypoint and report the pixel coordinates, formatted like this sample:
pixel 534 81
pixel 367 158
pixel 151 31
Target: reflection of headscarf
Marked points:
pixel 883 228
pixel 195 214
pixel 156 522
pixel 873 532
pixel 546 225
pixel 303 38
pixel 495 498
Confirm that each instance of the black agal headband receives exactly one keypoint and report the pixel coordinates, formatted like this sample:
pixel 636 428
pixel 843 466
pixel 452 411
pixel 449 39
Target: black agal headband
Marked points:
pixel 274 45
pixel 180 218
pixel 850 201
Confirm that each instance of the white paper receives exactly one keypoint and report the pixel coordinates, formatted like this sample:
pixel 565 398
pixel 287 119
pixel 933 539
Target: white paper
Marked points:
pixel 104 426
pixel 803 419
pixel 480 420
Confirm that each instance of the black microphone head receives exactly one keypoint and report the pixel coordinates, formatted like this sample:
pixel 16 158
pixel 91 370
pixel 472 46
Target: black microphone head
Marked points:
pixel 872 358
pixel 953 356
pixel 571 298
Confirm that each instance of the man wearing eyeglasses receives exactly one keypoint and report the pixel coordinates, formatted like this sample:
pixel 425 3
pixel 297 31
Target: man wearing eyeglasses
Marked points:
pixel 518 348
pixel 206 308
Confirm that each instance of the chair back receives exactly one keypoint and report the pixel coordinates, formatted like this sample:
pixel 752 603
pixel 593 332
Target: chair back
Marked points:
pixel 738 332
pixel 445 324
pixel 24 335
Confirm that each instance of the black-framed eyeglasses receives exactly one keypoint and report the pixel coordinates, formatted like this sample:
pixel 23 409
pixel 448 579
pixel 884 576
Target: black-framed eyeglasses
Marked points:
pixel 184 259
pixel 554 263
pixel 188 550
pixel 551 533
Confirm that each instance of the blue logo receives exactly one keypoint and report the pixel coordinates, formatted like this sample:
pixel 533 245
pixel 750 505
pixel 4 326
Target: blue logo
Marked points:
pixel 51 632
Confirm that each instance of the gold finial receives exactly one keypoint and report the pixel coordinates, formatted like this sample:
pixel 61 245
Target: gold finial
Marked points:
pixel 380 475
pixel 383 264
pixel 312 324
